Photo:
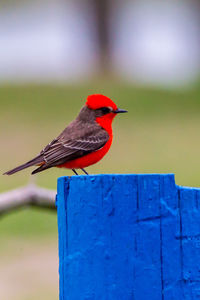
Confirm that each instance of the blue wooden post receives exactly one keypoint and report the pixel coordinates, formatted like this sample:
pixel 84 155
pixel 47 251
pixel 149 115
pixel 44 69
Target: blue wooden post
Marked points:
pixel 128 237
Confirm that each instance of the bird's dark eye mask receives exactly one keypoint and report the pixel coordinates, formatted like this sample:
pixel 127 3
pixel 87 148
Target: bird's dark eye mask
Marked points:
pixel 105 110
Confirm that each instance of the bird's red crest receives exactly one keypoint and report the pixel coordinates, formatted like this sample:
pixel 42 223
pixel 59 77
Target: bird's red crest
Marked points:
pixel 97 101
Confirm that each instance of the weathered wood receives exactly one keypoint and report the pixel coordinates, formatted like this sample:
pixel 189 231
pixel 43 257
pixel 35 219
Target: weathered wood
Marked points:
pixel 30 195
pixel 128 237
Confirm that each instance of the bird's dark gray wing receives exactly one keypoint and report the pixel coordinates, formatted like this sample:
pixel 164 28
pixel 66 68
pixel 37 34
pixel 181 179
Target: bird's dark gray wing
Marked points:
pixel 63 149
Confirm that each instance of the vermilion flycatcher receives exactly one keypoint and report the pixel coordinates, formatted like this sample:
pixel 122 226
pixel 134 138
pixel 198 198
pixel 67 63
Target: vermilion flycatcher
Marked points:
pixel 83 143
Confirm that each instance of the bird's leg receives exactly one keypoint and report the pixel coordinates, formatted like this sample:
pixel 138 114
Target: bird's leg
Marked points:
pixel 85 171
pixel 75 171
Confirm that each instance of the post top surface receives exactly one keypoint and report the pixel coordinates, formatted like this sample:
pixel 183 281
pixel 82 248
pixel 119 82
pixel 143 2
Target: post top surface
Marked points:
pixel 119 177
pixel 89 177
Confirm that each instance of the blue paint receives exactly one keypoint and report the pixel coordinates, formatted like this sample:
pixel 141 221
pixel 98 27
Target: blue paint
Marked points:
pixel 128 237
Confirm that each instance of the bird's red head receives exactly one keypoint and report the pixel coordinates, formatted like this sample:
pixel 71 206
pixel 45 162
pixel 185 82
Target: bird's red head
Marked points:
pixel 98 101
pixel 105 108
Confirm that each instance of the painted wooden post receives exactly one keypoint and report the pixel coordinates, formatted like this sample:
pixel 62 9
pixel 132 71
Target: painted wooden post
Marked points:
pixel 128 237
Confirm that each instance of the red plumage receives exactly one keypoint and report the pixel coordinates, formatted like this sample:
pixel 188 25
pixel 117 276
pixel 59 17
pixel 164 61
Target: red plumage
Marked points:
pixel 89 159
pixel 97 101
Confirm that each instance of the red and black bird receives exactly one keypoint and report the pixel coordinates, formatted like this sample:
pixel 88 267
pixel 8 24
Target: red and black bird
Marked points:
pixel 83 142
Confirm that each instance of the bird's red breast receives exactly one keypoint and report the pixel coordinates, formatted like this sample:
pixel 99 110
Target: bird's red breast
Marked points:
pixel 88 159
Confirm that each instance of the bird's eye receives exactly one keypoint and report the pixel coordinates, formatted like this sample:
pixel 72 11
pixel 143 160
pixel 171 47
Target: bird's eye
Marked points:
pixel 105 110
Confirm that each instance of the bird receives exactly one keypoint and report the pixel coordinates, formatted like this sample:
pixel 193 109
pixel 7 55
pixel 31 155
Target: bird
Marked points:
pixel 83 142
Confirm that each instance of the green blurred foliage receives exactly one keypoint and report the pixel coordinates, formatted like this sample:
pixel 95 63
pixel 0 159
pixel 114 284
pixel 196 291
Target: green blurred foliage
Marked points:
pixel 29 223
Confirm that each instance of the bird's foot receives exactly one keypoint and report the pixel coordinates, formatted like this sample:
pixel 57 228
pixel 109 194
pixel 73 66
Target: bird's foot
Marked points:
pixel 85 171
pixel 74 171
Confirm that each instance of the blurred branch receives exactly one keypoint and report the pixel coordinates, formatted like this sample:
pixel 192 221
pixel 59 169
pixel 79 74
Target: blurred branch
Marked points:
pixel 30 195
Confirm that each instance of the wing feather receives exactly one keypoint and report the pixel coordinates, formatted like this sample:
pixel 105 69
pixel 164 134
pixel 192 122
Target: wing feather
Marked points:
pixel 62 150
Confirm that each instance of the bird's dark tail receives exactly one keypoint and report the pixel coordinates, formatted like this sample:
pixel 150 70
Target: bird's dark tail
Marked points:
pixel 40 169
pixel 35 161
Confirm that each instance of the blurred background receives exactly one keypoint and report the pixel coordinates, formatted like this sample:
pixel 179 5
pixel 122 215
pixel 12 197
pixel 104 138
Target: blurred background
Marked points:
pixel 145 55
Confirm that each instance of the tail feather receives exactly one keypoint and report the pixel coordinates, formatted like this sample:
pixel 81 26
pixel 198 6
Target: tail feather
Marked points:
pixel 37 160
pixel 40 169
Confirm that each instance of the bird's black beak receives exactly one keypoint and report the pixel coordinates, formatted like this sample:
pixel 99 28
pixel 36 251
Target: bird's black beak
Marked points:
pixel 120 111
